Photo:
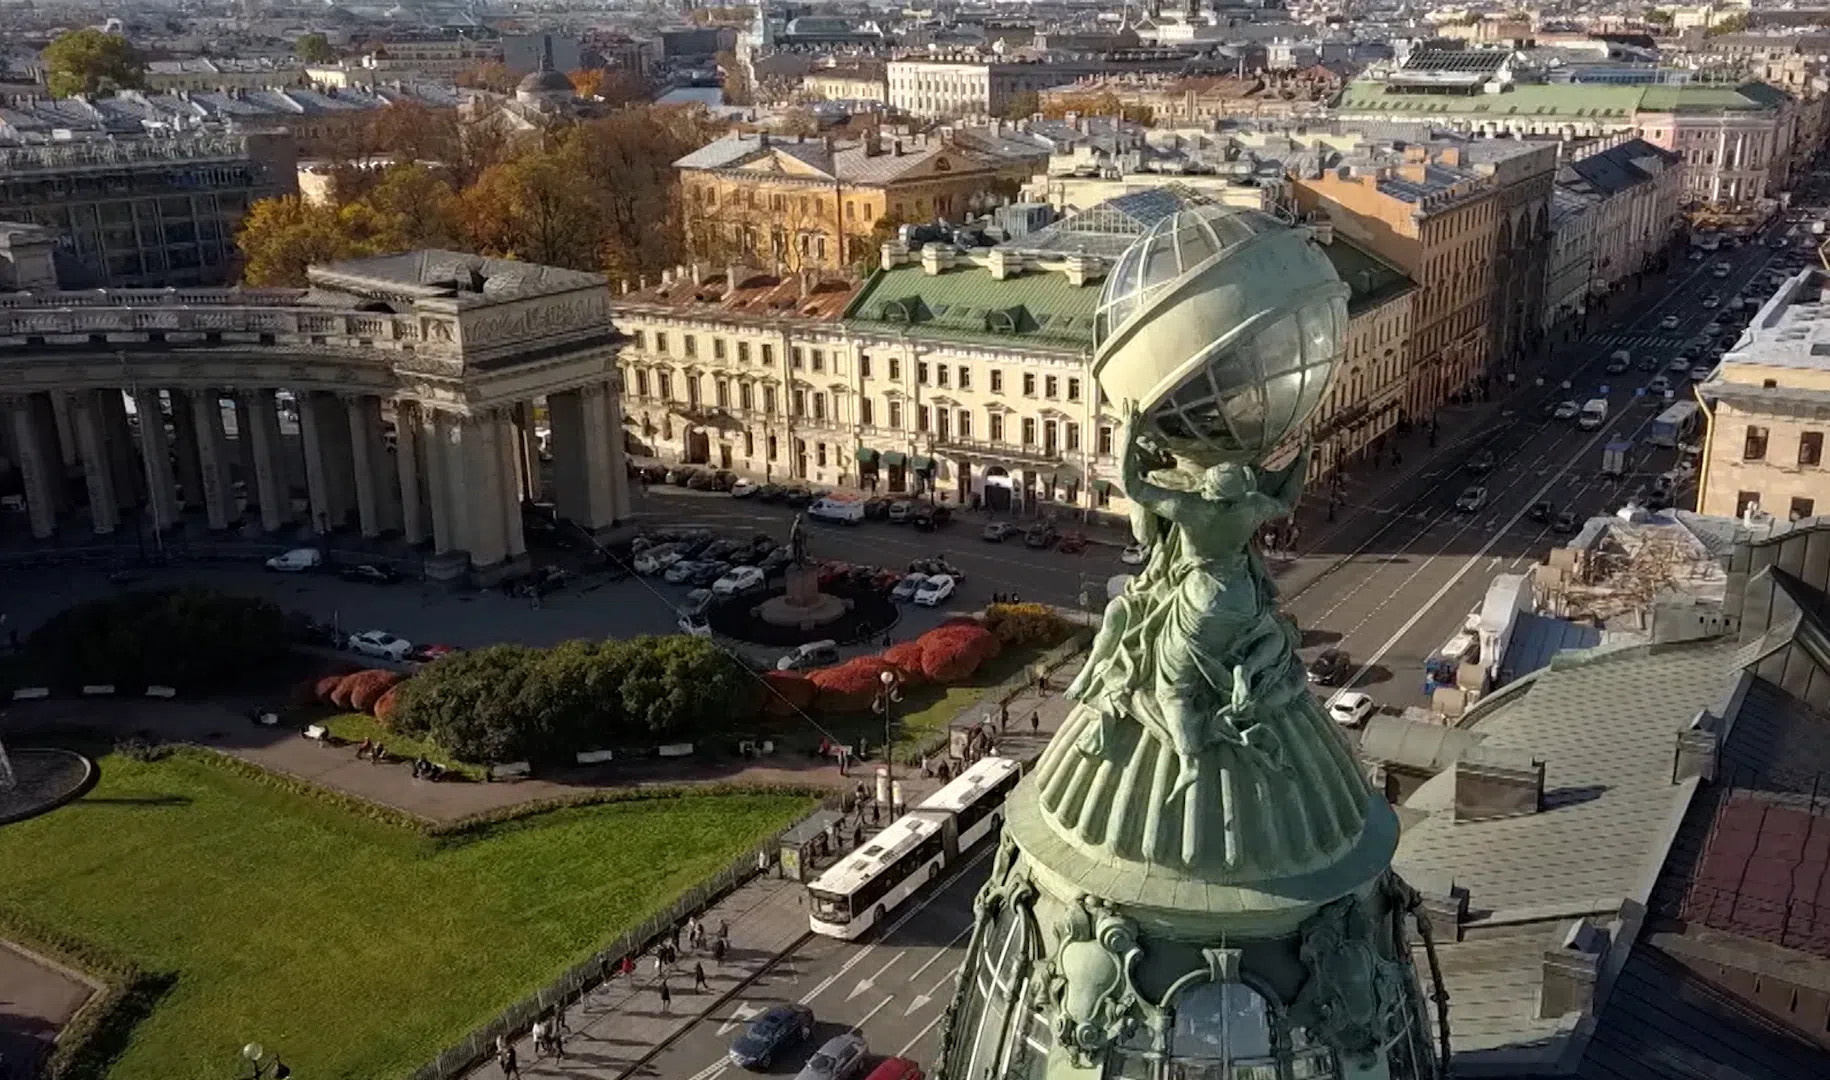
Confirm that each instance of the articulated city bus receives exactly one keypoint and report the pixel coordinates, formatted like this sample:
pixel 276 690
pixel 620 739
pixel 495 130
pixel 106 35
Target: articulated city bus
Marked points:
pixel 862 889
pixel 1675 425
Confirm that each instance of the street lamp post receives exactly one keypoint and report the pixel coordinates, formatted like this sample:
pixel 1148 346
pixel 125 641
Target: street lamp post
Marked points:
pixel 885 699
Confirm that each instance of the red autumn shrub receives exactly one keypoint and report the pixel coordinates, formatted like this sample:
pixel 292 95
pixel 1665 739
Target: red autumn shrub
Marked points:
pixel 972 635
pixel 385 705
pixel 368 686
pixel 849 687
pixel 787 692
pixel 345 687
pixel 326 686
pixel 906 659
pixel 951 653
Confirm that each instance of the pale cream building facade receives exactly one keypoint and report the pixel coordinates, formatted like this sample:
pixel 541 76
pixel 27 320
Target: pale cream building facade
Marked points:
pixel 1769 411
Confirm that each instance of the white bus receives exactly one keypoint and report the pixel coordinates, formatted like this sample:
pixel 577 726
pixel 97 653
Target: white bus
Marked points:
pixel 865 886
pixel 1675 425
pixel 974 801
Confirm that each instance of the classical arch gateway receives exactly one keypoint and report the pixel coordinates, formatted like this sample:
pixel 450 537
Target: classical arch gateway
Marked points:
pixel 397 394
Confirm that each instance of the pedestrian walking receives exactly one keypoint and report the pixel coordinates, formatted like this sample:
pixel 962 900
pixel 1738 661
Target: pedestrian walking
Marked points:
pixel 873 814
pixel 1035 720
pixel 724 931
pixel 628 967
pixel 718 950
pixel 505 1057
pixel 557 1042
pixel 667 997
pixel 857 840
pixel 675 939
pixel 692 931
pixel 540 1037
pixel 699 983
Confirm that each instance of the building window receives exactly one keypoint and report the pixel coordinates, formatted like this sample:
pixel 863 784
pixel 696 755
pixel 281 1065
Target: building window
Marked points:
pixel 921 372
pixel 1029 385
pixel 1746 502
pixel 800 403
pixel 749 444
pixel 1105 440
pixel 745 397
pixel 965 423
pixel 819 359
pixel 921 418
pixel 896 415
pixel 769 401
pixel 667 386
pixel 718 348
pixel 641 384
pixel 773 448
pixel 865 410
pixel 743 352
pixel 692 345
pixel 1073 389
pixel 1071 433
pixel 724 394
pixel 997 427
pixel 1029 431
pixel 895 369
pixel 692 391
pixel 660 341
pixel 1755 447
pixel 997 381
pixel 1051 387
pixel 1811 448
pixel 940 376
pixel 1050 431
pixel 864 365
pixel 800 358
pixel 819 406
pixel 820 454
pixel 940 424
pixel 965 377
pixel 1801 509
pixel 768 355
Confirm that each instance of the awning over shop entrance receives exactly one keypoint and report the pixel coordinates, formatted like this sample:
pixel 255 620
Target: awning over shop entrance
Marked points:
pixel 867 456
pixel 893 459
pixel 922 463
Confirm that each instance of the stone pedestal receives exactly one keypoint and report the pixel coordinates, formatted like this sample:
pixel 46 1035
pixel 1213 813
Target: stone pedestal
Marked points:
pixel 803 605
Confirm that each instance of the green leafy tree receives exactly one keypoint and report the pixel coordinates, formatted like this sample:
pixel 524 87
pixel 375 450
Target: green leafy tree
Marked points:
pixel 314 49
pixel 1732 24
pixel 192 639
pixel 89 61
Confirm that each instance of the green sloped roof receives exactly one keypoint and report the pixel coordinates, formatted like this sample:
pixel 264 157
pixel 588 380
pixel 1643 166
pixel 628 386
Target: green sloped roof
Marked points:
pixel 1523 99
pixel 1748 97
pixel 1036 308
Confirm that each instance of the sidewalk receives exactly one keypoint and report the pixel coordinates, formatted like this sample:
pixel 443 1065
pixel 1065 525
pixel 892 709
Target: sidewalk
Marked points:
pixel 618 1027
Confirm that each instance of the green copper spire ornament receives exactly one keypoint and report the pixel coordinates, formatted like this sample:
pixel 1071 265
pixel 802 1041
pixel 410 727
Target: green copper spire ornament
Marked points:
pixel 1195 879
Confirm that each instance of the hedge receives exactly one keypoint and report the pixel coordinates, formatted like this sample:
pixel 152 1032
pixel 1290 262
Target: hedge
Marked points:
pixel 905 657
pixel 513 703
pixel 849 687
pixel 385 706
pixel 364 688
pixel 90 1043
pixel 786 693
pixel 1027 624
pixel 192 639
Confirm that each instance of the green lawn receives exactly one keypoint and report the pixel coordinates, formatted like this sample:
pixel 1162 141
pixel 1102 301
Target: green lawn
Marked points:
pixel 355 949
pixel 356 727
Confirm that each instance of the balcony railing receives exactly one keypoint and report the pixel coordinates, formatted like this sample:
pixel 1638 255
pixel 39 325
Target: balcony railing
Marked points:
pixel 1030 453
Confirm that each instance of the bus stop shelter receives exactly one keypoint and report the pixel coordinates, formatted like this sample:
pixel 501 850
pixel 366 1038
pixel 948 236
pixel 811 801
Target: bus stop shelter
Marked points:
pixel 804 845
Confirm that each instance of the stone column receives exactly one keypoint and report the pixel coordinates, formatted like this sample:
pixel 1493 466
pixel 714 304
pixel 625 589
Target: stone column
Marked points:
pixel 604 470
pixel 129 478
pixel 512 437
pixel 244 444
pixel 571 495
pixel 484 490
pixel 364 419
pixel 527 451
pixel 619 458
pixel 312 438
pixel 156 450
pixel 190 471
pixel 339 459
pixel 445 522
pixel 213 459
pixel 64 427
pixel 45 408
pixel 98 476
pixel 35 469
pixel 408 447
pixel 262 435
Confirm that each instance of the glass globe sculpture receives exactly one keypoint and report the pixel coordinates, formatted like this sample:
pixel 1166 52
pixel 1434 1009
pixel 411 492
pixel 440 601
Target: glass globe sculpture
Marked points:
pixel 1223 326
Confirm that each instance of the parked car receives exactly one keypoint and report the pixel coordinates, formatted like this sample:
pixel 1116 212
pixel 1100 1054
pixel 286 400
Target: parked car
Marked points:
pixel 425 654
pixel 1482 462
pixel 743 489
pixel 740 579
pixel 1701 372
pixel 709 571
pixel 1567 522
pixel 896 1068
pixel 934 591
pixel 1351 709
pixel 797 496
pixel 1134 555
pixel 702 481
pixel 380 643
pixel 1073 543
pixel 1332 668
pixel 1567 410
pixel 1472 499
pixel 934 566
pixel 1669 322
pixel 929 518
pixel 776 1030
pixel 999 531
pixel 774 560
pixel 811 655
pixel 900 511
pixel 1540 511
pixel 839 1059
pixel 876 508
pixel 771 492
pixel 694 623
pixel 370 573
pixel 680 475
pixel 1648 364
pixel 297 560
pixel 657 560
pixel 1040 535
pixel 1658 386
pixel 680 572
pixel 908 586
pixel 1619 362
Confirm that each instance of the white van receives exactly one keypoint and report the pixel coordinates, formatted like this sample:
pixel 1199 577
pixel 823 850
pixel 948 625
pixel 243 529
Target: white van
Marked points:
pixel 843 511
pixel 1594 414
pixel 297 560
pixel 811 655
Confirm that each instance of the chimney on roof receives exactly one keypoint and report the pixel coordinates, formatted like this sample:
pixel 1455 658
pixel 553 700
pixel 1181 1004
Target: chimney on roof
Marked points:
pixel 1493 783
pixel 700 266
pixel 896 146
pixel 1567 981
pixel 807 283
pixel 1697 748
pixel 1444 903
pixel 625 284
pixel 873 143
pixel 733 277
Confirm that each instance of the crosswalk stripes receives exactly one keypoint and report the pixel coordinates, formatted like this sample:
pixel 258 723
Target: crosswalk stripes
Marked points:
pixel 1642 341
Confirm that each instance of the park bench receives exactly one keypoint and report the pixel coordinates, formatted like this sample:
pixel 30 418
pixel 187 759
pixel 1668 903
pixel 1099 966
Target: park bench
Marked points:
pixel 512 770
pixel 31 693
pixel 595 757
pixel 680 749
pixel 161 691
pixel 317 733
pixel 98 689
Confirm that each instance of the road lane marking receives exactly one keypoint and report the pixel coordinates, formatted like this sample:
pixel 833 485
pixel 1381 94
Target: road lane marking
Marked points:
pixel 919 1035
pixel 713 1070
pixel 742 1014
pixel 916 974
pixel 870 980
pixel 927 995
pixel 865 1019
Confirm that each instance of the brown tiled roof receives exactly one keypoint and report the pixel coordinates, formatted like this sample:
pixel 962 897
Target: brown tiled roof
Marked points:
pixel 1766 874
pixel 759 295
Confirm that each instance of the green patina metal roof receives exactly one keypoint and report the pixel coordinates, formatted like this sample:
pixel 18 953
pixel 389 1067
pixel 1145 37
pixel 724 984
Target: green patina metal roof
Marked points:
pixel 1748 97
pixel 1373 280
pixel 1571 100
pixel 1035 308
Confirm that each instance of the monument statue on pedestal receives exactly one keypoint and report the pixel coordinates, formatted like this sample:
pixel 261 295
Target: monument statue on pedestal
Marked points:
pixel 797 540
pixel 1195 878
